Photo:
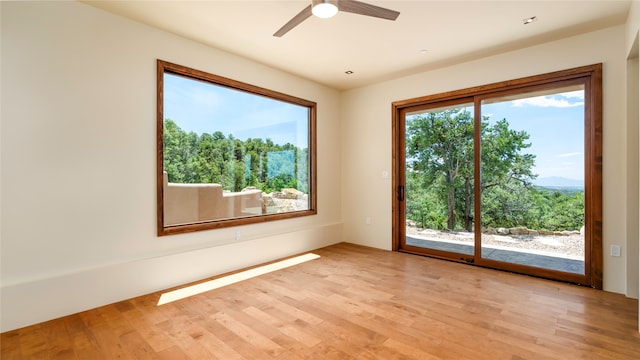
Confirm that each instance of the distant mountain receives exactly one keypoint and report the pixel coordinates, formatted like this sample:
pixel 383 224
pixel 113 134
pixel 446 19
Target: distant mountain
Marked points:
pixel 556 181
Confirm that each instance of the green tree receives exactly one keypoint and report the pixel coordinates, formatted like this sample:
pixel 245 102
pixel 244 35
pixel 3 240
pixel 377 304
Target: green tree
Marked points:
pixel 440 145
pixel 506 175
pixel 566 210
pixel 233 163
pixel 179 151
pixel 439 151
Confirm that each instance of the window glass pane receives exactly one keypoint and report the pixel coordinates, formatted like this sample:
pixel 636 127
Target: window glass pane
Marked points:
pixel 439 179
pixel 232 152
pixel 532 182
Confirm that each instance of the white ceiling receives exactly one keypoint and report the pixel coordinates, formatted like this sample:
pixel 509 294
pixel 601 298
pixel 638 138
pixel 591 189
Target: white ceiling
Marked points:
pixel 374 49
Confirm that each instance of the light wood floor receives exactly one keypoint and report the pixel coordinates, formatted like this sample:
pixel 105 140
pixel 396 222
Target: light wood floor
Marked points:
pixel 352 302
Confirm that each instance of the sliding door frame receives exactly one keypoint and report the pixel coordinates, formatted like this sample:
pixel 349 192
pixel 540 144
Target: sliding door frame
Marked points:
pixel 591 76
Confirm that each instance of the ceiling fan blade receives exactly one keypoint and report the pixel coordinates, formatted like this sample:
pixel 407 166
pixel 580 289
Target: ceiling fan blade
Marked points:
pixel 357 7
pixel 295 21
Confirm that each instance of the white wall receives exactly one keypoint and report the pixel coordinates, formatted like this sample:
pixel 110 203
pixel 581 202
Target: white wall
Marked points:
pixel 78 164
pixel 364 157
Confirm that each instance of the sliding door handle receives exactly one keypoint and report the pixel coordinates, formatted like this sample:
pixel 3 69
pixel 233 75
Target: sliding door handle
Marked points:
pixel 400 193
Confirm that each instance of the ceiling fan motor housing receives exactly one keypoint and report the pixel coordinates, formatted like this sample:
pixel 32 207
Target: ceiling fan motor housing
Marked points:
pixel 324 8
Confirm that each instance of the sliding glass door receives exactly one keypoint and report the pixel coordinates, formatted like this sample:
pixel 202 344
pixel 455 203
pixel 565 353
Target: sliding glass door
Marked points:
pixel 532 182
pixel 506 176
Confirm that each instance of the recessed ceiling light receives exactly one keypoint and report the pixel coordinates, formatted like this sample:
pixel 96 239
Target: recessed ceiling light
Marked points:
pixel 529 20
pixel 423 51
pixel 348 72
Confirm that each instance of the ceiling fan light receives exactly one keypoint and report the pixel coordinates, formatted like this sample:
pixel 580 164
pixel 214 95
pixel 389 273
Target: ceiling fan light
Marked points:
pixel 324 8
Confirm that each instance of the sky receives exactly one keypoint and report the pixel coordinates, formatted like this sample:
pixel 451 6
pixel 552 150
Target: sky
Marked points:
pixel 200 107
pixel 555 124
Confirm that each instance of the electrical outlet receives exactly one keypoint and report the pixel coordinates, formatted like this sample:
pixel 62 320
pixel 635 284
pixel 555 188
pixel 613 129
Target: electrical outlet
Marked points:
pixel 237 235
pixel 615 250
pixel 367 220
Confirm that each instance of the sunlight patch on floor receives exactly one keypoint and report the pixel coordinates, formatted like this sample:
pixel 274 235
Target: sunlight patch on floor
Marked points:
pixel 232 279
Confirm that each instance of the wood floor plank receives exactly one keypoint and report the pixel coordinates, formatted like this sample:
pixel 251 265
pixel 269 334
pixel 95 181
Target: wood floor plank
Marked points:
pixel 33 344
pixel 59 342
pixel 173 353
pixel 352 303
pixel 10 344
pixel 291 330
pixel 158 340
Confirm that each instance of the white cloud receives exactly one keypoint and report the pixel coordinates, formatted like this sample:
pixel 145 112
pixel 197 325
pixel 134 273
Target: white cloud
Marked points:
pixel 563 100
pixel 578 94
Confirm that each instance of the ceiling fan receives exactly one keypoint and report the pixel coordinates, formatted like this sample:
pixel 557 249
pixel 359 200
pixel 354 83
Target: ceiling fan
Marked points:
pixel 328 8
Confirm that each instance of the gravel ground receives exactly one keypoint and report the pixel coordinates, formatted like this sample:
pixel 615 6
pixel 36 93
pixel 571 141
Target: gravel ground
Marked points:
pixel 572 245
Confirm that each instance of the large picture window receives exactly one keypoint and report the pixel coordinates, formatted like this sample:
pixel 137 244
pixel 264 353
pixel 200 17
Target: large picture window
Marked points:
pixel 230 153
